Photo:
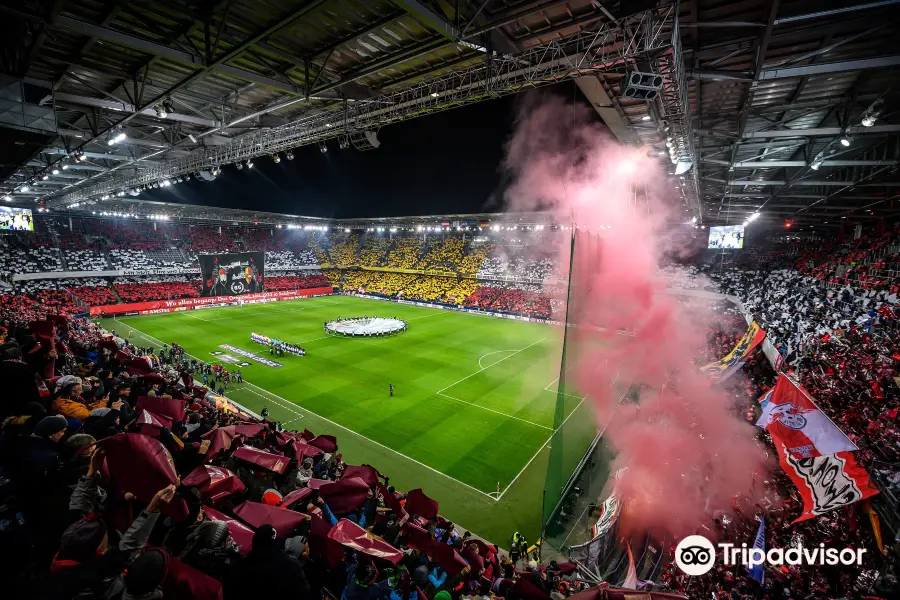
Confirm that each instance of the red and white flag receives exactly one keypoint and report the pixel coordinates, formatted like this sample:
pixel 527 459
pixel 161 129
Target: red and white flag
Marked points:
pixel 793 419
pixel 826 483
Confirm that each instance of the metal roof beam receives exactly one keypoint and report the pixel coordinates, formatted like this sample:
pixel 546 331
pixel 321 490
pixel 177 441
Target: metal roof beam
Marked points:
pixel 807 183
pixel 835 11
pixel 721 24
pixel 122 106
pixel 819 131
pixel 429 18
pixel 163 51
pixel 760 164
pixel 832 67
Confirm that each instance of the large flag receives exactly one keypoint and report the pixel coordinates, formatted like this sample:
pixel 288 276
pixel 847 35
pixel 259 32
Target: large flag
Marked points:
pixel 631 580
pixel 732 362
pixel 793 419
pixel 756 571
pixel 826 483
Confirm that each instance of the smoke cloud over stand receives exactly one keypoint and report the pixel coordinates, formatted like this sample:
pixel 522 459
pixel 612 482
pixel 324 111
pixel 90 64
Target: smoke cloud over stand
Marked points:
pixel 687 455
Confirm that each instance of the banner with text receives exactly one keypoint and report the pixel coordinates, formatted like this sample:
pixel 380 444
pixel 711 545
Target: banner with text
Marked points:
pixel 164 306
pixel 232 273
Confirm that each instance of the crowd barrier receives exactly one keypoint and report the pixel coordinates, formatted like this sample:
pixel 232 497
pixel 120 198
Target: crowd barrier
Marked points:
pixel 165 306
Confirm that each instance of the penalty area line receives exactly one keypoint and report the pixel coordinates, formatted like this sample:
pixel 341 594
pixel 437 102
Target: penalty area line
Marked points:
pixel 508 416
pixel 347 429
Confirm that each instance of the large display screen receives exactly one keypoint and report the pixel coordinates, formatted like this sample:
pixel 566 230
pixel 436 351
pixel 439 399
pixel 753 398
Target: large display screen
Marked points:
pixel 232 273
pixel 16 219
pixel 729 236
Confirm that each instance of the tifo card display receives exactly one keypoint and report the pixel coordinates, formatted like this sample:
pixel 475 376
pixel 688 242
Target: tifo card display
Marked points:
pixel 232 273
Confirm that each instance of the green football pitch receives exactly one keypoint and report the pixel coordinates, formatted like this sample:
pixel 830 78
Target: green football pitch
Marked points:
pixel 474 407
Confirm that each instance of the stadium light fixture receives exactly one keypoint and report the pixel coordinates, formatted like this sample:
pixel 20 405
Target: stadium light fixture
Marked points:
pixel 871 114
pixel 24 188
pixel 434 94
pixel 646 118
pixel 289 155
pixel 276 159
pixel 8 198
pixel 64 167
pixel 249 163
pixel 846 139
pixel 322 147
pixel 161 111
pixel 239 165
pixel 119 137
pixel 346 230
pixel 55 171
pixel 45 177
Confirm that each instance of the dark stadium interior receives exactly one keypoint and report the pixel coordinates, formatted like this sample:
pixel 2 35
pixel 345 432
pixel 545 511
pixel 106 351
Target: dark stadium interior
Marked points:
pixel 721 324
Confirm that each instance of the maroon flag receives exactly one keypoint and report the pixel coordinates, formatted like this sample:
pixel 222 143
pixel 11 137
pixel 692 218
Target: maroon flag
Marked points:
pixel 164 407
pixel 391 501
pixel 108 344
pixel 345 496
pixel 214 483
pixel 449 559
pixel 221 438
pixel 322 545
pixel 184 582
pixel 417 503
pixel 42 329
pixel 240 533
pixel 265 460
pixel 257 514
pixel 367 473
pixel 146 417
pixel 296 497
pixel 137 366
pixel 349 534
pixel 475 560
pixel 302 450
pixel 327 443
pixel 141 465
pixel 419 539
pixel 524 589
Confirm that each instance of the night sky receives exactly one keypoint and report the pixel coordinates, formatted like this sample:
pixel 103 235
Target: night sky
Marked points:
pixel 443 163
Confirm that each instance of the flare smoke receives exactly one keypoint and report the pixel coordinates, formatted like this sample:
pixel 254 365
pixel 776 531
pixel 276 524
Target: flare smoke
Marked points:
pixel 687 455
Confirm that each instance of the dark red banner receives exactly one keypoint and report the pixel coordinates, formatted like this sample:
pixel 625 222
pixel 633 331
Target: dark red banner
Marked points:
pixel 165 306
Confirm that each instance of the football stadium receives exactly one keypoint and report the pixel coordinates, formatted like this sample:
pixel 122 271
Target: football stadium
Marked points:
pixel 450 300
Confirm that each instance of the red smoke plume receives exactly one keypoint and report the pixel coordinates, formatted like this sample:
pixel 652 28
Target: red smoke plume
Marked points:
pixel 687 455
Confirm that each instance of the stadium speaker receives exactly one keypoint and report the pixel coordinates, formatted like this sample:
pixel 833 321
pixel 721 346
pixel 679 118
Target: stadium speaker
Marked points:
pixel 205 176
pixel 641 86
pixel 364 140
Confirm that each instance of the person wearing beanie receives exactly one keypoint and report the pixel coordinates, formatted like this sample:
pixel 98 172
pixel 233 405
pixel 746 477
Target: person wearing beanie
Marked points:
pixel 266 572
pixel 86 564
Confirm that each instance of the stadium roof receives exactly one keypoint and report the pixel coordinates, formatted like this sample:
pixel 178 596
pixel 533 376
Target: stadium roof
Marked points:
pixel 754 93
pixel 125 207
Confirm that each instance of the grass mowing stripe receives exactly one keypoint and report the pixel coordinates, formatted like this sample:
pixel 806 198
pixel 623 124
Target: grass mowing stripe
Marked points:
pixel 338 425
pixel 458 453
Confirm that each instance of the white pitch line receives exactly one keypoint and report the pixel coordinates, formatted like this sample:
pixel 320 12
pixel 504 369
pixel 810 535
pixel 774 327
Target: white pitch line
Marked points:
pixel 347 429
pixel 541 449
pixel 489 353
pixel 438 313
pixel 492 364
pixel 509 416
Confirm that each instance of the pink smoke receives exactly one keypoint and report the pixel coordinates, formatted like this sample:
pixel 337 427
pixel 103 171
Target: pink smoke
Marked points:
pixel 687 455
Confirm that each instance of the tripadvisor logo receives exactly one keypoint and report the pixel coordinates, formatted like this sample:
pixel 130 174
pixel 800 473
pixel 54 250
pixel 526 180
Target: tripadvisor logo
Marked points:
pixel 696 555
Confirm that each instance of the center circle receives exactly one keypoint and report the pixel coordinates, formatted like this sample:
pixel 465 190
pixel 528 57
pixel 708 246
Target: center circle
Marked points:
pixel 365 326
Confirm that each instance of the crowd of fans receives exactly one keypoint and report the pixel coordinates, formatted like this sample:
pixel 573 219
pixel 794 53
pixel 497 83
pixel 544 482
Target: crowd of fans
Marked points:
pixel 123 478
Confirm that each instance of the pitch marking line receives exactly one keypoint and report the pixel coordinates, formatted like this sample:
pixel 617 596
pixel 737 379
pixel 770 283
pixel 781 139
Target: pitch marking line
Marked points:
pixel 491 365
pixel 488 354
pixel 569 416
pixel 348 430
pixel 507 415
